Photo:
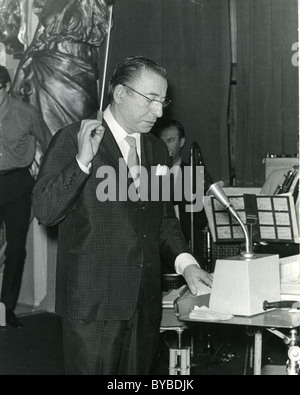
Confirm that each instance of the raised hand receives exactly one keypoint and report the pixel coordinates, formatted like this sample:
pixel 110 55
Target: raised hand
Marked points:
pixel 89 138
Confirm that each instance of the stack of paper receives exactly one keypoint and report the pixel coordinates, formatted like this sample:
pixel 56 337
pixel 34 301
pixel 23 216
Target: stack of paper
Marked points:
pixel 290 277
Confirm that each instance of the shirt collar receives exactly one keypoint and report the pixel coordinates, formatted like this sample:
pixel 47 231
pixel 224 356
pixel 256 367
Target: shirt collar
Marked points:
pixel 5 107
pixel 118 132
pixel 178 163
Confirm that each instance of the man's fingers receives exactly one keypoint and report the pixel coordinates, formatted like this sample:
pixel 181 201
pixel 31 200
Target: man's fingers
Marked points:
pixel 88 127
pixel 192 287
pixel 99 133
pixel 209 280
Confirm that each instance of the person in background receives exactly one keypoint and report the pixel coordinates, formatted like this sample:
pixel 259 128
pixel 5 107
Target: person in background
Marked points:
pixel 21 127
pixel 173 134
pixel 108 268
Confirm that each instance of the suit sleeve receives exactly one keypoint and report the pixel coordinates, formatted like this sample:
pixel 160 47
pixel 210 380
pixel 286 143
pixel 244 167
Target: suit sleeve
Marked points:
pixel 172 242
pixel 60 180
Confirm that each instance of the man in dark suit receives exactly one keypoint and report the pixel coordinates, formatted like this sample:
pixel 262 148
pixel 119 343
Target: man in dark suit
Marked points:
pixel 108 266
pixel 173 134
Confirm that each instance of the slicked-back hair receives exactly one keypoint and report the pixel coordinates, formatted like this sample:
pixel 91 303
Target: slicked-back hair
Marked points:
pixel 4 76
pixel 129 70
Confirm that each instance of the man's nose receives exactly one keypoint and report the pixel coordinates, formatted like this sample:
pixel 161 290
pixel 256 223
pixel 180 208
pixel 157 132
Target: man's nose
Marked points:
pixel 158 109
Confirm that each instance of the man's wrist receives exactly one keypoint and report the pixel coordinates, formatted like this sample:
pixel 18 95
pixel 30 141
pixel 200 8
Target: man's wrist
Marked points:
pixel 182 261
pixel 83 167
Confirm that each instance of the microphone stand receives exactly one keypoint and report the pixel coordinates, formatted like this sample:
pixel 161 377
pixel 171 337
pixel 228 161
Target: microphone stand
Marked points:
pixel 248 253
pixel 195 149
pixel 216 191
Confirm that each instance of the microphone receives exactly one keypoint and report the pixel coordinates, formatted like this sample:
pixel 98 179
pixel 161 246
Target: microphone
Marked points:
pixel 217 191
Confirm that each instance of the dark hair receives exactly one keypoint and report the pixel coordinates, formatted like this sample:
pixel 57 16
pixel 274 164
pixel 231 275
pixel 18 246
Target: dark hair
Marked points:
pixel 129 70
pixel 4 76
pixel 164 123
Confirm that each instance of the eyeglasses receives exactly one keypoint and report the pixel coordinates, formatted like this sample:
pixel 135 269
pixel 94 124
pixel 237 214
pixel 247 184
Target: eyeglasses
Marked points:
pixel 151 102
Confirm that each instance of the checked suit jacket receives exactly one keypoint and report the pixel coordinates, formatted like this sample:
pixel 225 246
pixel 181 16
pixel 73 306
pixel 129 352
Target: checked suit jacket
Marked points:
pixel 107 251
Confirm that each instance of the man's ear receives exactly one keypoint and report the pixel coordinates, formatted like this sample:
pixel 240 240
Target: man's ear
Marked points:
pixel 8 87
pixel 182 142
pixel 118 93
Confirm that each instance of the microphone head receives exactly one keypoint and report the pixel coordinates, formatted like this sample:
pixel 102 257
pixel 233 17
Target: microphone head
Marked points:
pixel 217 191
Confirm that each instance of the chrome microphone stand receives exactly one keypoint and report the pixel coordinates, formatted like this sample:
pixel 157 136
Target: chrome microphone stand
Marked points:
pixel 194 149
pixel 196 160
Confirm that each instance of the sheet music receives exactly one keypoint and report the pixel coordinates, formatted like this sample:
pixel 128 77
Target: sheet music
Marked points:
pixel 275 218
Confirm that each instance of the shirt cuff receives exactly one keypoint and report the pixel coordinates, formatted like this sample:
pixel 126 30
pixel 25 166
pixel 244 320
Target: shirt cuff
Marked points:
pixel 85 169
pixel 183 260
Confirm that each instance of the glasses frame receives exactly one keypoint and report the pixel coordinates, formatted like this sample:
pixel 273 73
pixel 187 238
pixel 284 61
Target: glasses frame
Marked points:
pixel 164 104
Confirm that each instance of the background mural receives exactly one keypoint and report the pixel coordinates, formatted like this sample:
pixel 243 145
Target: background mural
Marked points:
pixel 59 71
pixel 13 26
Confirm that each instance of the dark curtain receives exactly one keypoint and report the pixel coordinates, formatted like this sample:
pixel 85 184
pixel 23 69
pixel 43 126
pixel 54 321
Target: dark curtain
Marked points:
pixel 267 85
pixel 192 41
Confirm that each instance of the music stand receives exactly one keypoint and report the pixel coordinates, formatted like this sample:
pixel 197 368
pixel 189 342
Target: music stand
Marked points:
pixel 270 218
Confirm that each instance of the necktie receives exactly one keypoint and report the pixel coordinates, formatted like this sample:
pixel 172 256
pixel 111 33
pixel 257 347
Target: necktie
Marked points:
pixel 133 158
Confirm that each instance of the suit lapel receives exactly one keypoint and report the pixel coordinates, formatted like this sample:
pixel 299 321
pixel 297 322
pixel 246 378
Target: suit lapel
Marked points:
pixel 147 161
pixel 109 152
pixel 146 153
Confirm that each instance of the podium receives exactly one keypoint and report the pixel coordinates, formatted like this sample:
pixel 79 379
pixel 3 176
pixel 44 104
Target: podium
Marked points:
pixel 241 286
